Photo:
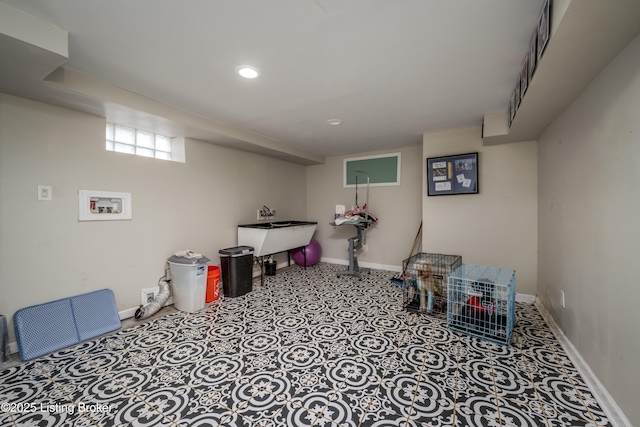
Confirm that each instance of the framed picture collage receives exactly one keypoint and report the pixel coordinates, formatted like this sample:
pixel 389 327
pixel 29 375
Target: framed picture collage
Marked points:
pixel 539 41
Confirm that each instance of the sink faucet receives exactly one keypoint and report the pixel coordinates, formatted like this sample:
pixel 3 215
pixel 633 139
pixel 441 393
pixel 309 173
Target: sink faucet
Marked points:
pixel 266 212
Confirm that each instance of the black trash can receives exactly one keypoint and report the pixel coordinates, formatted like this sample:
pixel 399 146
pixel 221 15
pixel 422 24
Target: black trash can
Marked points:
pixel 236 266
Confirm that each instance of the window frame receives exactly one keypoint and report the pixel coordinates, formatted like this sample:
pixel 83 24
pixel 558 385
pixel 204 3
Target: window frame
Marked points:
pixel 161 153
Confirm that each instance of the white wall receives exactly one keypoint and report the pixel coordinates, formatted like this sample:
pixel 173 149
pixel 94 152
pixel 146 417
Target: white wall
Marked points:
pixel 397 207
pixel 496 227
pixel 589 186
pixel 47 254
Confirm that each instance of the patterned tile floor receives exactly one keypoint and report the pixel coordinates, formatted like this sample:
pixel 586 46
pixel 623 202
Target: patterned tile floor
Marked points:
pixel 307 349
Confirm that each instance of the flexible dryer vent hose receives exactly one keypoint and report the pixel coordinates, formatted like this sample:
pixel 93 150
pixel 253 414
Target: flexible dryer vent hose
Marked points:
pixel 152 308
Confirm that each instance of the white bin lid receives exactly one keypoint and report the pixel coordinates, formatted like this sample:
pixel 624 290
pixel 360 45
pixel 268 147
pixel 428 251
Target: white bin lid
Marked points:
pixel 174 259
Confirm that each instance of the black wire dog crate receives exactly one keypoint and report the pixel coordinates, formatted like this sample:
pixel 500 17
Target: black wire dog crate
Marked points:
pixel 426 274
pixel 481 302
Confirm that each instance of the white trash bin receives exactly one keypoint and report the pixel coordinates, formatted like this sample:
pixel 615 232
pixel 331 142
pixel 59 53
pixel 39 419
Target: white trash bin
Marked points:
pixel 188 282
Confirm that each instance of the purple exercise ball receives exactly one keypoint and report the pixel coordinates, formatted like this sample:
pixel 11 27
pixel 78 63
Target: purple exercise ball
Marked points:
pixel 314 253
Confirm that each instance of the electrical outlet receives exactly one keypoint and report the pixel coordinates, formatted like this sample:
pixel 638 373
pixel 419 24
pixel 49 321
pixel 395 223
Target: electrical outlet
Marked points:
pixel 148 295
pixel 45 192
pixel 365 248
pixel 562 300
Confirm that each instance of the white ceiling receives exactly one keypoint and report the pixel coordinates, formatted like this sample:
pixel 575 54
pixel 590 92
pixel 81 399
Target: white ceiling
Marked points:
pixel 391 70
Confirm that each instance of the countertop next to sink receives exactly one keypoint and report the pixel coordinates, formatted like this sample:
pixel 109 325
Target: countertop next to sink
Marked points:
pixel 277 224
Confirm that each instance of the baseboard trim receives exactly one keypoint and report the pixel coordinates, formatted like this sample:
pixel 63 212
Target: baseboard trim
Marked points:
pixel 130 312
pixel 525 298
pixel 608 404
pixel 371 265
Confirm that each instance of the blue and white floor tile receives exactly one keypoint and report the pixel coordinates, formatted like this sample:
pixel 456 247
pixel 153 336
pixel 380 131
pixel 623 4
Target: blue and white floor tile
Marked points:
pixel 308 348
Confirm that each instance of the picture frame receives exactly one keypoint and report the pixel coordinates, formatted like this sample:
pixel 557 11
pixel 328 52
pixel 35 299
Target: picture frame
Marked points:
pixel 512 107
pixel 524 77
pixel 544 29
pixel 382 170
pixel 533 54
pixel 451 175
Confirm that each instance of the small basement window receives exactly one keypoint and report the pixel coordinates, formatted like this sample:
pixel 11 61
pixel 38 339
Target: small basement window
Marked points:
pixel 123 139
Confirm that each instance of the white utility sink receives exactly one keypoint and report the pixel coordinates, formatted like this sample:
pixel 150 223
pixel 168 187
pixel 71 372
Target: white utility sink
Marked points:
pixel 268 238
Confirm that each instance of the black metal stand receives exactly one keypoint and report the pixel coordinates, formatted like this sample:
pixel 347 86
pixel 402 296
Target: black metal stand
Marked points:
pixel 355 243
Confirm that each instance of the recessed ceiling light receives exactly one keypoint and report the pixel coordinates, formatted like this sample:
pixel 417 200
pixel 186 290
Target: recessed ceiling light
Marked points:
pixel 248 72
pixel 334 122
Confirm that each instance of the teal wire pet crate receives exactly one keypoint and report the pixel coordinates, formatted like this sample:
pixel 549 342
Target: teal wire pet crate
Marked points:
pixel 425 290
pixel 481 302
